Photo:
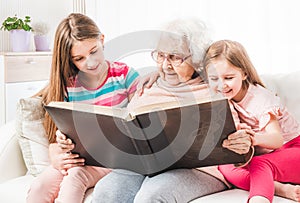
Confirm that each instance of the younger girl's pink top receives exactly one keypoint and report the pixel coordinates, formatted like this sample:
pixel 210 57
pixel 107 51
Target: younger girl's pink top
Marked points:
pixel 257 106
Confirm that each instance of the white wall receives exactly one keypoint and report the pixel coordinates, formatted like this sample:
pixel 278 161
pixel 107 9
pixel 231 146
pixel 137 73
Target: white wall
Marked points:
pixel 269 29
pixel 50 11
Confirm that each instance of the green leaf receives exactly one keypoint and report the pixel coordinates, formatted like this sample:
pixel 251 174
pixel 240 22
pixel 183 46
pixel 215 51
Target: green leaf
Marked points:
pixel 11 23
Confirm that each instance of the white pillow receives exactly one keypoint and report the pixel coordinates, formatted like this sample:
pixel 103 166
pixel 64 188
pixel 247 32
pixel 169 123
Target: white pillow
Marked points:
pixel 31 134
pixel 286 86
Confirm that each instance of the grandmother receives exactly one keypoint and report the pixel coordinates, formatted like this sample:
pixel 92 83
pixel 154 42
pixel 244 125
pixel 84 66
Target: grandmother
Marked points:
pixel 178 55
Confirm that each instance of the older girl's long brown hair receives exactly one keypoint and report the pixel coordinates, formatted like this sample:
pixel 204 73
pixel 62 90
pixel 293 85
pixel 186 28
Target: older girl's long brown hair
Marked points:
pixel 75 27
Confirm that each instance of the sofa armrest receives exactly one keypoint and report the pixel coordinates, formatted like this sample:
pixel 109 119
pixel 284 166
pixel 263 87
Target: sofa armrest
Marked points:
pixel 11 159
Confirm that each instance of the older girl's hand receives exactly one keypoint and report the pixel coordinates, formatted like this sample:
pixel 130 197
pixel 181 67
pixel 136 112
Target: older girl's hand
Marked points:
pixel 63 142
pixel 63 160
pixel 239 141
pixel 146 82
pixel 60 154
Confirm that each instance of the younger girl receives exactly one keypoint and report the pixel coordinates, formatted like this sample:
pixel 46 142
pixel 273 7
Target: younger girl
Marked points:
pixel 79 74
pixel 231 73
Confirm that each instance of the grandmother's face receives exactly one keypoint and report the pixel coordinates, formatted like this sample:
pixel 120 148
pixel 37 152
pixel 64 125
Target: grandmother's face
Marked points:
pixel 173 44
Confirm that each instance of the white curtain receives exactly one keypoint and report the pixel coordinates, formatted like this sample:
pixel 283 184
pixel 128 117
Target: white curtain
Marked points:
pixel 269 29
pixel 79 6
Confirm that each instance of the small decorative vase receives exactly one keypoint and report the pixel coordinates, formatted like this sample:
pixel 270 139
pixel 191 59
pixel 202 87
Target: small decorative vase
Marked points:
pixel 20 40
pixel 41 43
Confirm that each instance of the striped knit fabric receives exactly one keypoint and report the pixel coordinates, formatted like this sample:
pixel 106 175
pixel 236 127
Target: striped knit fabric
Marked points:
pixel 121 81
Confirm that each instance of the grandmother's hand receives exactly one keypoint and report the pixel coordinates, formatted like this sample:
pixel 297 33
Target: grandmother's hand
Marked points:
pixel 239 141
pixel 146 82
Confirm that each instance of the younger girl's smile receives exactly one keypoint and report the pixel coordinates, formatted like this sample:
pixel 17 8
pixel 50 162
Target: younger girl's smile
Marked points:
pixel 226 79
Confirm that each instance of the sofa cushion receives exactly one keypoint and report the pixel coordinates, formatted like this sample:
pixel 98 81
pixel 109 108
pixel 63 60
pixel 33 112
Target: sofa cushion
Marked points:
pixel 11 159
pixel 31 134
pixel 286 86
pixel 15 190
pixel 233 195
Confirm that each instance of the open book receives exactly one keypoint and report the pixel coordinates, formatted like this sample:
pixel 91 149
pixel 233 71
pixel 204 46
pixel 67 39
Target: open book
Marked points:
pixel 151 139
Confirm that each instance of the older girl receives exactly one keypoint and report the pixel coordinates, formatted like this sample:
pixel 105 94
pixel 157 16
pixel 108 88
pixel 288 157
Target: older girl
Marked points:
pixel 79 74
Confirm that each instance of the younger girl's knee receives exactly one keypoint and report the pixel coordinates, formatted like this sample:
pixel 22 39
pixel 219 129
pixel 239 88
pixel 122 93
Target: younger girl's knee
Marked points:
pixel 225 169
pixel 260 161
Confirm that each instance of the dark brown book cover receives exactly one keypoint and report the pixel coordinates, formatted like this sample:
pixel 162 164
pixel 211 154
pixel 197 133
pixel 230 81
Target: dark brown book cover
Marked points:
pixel 187 136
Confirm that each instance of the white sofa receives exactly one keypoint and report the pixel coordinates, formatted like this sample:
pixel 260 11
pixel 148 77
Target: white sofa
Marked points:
pixel 14 182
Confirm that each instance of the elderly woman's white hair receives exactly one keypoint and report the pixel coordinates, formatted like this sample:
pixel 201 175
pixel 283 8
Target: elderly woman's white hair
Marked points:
pixel 195 32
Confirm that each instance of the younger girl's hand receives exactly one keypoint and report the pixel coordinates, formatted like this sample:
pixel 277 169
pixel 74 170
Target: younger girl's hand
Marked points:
pixel 239 141
pixel 146 81
pixel 241 126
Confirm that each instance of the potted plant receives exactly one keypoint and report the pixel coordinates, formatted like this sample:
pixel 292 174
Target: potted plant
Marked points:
pixel 20 32
pixel 40 31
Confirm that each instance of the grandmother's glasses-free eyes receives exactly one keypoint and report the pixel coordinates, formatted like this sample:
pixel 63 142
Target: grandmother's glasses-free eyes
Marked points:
pixel 175 59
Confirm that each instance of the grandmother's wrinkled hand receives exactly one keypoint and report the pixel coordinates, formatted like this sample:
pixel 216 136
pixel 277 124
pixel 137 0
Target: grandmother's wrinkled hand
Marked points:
pixel 239 141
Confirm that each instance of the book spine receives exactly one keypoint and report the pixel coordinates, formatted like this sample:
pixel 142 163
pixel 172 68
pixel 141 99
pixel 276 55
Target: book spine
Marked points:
pixel 141 144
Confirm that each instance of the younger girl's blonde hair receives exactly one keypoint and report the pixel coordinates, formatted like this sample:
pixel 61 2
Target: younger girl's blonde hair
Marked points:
pixel 235 54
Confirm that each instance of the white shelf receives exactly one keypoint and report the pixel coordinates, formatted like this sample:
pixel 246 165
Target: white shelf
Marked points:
pixel 22 74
